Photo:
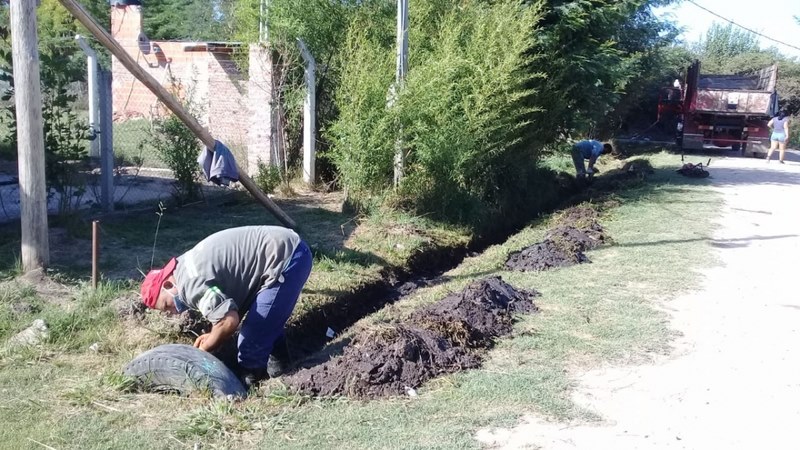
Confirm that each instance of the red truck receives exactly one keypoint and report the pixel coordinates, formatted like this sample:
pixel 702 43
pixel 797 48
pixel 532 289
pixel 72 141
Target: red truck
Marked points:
pixel 722 111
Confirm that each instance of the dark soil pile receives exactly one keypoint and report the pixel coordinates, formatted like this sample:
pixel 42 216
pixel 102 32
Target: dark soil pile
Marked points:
pixel 478 314
pixel 442 338
pixel 577 231
pixel 544 255
pixel 384 362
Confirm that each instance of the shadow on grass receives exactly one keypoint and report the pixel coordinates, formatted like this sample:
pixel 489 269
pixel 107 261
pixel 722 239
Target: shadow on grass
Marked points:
pixel 719 243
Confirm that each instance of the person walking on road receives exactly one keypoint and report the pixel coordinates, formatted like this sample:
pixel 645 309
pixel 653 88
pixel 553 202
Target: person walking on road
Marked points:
pixel 255 272
pixel 588 150
pixel 780 135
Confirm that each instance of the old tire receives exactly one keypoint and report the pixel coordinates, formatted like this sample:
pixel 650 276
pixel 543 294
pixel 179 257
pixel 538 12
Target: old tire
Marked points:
pixel 182 369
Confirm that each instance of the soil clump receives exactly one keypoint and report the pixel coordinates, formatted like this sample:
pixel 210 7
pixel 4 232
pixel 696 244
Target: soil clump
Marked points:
pixel 478 314
pixel 385 361
pixel 192 323
pixel 445 337
pixel 577 230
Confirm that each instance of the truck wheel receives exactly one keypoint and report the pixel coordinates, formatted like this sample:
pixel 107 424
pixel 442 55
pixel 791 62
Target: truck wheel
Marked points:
pixel 182 369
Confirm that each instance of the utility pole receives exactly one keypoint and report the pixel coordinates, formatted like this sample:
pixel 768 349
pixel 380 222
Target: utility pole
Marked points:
pixel 30 135
pixel 402 68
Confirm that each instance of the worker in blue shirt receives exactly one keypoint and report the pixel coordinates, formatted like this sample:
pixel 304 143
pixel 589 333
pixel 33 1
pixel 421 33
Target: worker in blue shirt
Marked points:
pixel 591 150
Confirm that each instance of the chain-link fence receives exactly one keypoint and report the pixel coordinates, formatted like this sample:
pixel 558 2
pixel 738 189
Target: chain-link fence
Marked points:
pixel 137 173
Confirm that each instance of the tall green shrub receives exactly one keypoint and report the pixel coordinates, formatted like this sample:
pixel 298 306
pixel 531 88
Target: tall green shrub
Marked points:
pixel 463 115
pixel 177 146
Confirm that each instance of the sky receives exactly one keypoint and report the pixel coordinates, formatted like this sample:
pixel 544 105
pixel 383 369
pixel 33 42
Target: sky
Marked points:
pixel 773 18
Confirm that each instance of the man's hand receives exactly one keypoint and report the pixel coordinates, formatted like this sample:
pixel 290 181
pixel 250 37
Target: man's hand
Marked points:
pixel 221 331
pixel 206 342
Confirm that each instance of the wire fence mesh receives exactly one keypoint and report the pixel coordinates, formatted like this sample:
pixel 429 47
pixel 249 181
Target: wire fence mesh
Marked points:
pixel 211 85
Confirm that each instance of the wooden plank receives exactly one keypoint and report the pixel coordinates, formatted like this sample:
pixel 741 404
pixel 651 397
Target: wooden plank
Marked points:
pixel 169 101
pixel 30 136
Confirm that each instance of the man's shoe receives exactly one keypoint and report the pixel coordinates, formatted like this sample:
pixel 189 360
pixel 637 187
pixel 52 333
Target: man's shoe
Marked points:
pixel 252 378
pixel 276 366
pixel 279 359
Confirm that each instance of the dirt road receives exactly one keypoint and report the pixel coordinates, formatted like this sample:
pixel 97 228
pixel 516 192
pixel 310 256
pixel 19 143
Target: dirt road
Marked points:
pixel 733 381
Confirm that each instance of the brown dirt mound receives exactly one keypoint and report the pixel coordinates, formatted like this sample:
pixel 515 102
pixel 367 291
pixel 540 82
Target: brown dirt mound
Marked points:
pixel 442 338
pixel 384 362
pixel 478 314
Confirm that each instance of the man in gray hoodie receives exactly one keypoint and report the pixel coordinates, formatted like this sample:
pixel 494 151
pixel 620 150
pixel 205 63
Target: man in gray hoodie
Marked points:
pixel 258 271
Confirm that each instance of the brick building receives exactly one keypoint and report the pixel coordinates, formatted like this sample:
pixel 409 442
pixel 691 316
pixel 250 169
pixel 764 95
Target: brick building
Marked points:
pixel 235 107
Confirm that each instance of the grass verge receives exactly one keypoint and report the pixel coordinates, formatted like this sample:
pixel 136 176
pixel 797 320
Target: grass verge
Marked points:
pixel 67 396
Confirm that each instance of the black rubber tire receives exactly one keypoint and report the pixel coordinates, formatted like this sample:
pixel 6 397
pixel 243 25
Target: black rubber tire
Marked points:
pixel 182 369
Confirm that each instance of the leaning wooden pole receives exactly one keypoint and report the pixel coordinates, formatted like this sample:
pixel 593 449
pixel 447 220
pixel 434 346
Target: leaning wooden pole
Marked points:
pixel 169 100
pixel 30 135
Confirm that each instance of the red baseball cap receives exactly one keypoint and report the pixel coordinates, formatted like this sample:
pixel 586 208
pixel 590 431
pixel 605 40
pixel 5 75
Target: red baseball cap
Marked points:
pixel 151 286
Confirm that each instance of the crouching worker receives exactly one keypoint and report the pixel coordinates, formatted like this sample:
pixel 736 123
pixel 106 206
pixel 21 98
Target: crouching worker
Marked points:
pixel 588 150
pixel 254 272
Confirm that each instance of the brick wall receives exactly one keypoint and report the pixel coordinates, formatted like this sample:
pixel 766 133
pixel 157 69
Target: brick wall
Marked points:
pixel 260 132
pixel 206 75
pixel 227 101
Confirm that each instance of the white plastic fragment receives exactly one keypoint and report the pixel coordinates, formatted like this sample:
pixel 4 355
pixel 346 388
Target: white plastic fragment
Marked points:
pixel 330 333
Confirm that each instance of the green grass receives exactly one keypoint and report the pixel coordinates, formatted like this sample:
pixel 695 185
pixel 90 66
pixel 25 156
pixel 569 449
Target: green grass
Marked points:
pixel 132 142
pixel 67 396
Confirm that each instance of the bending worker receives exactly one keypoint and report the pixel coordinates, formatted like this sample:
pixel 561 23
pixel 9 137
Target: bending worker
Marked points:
pixel 591 150
pixel 257 270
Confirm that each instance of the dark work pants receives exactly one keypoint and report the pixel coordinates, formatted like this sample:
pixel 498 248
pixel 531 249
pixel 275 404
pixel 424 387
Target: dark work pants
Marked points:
pixel 268 314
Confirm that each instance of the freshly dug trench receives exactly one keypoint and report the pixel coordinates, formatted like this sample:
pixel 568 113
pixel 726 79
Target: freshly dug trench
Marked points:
pixel 442 338
pixel 475 316
pixel 382 362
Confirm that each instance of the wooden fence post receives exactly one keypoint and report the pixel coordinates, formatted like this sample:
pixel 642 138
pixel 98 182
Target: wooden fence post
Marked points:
pixel 30 135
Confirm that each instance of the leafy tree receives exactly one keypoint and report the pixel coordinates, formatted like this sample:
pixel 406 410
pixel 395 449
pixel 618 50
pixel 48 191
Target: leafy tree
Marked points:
pixel 186 19
pixel 598 53
pixel 721 44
